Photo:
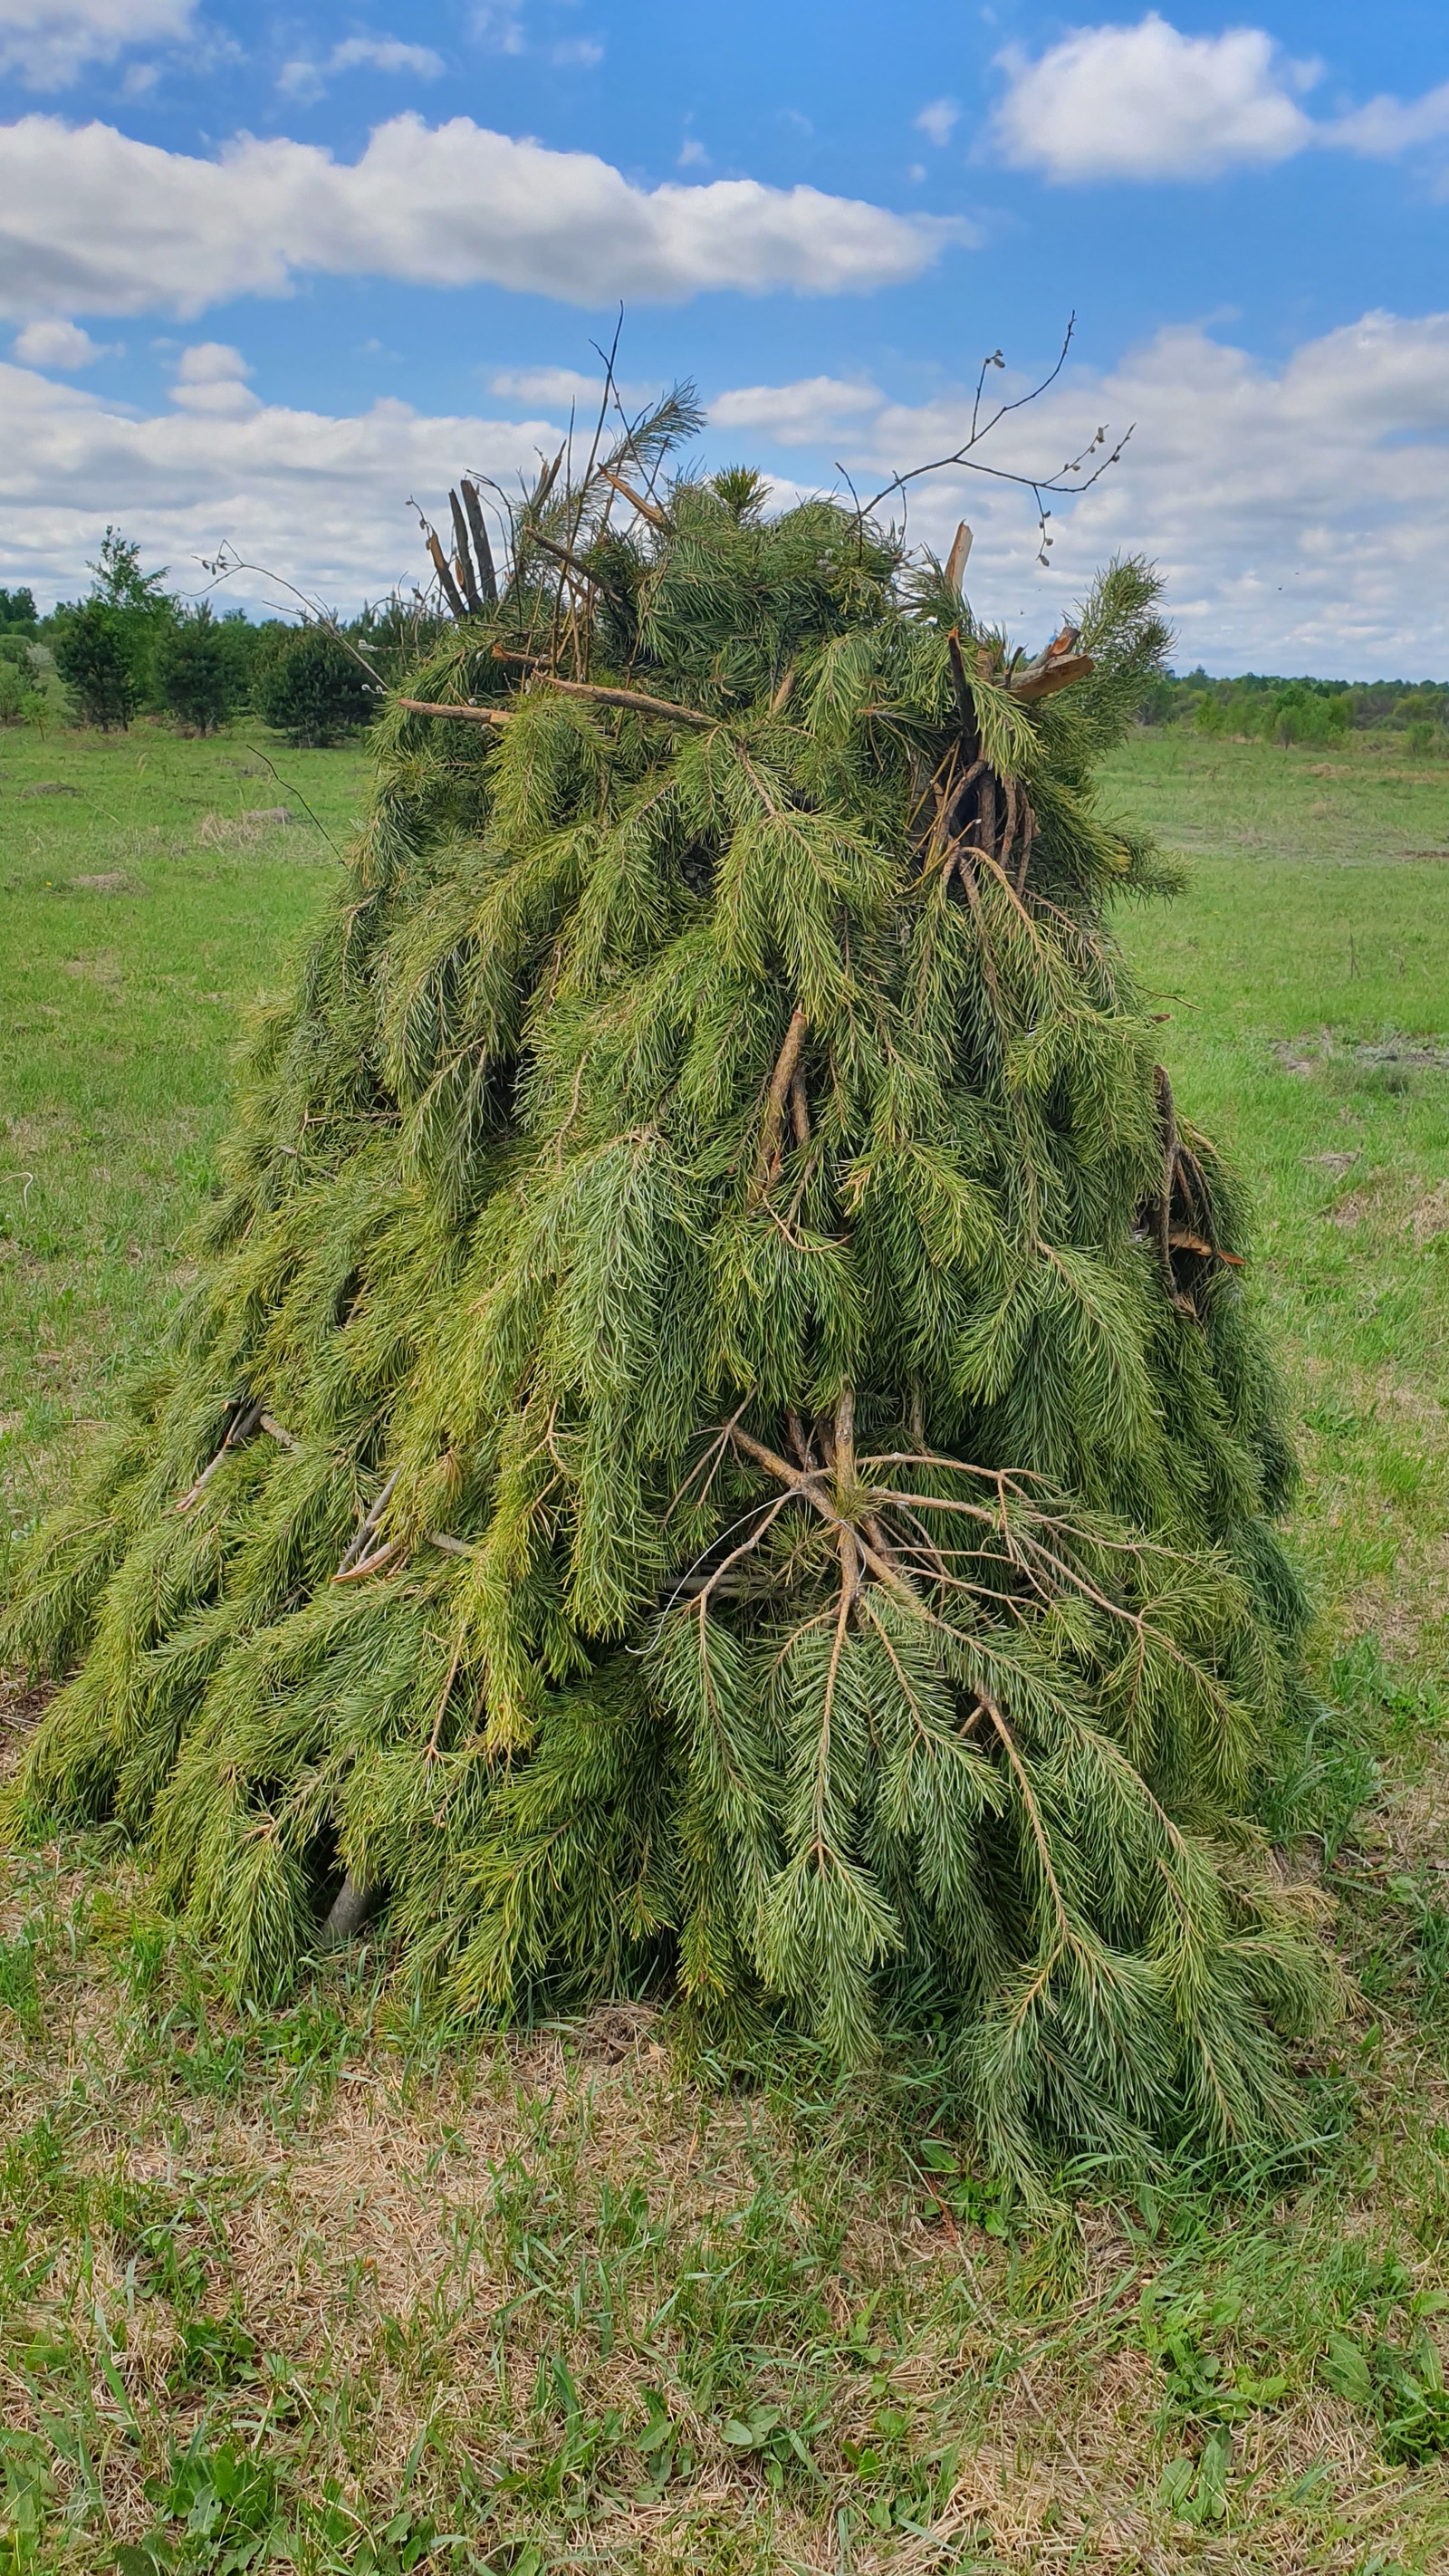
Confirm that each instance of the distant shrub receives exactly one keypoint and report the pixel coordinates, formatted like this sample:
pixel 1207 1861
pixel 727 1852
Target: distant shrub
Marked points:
pixel 309 687
pixel 20 700
pixel 95 656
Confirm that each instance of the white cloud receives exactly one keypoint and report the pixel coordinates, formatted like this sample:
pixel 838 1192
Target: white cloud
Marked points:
pixel 48 42
pixel 576 53
pixel 92 220
pixel 795 414
pixel 1300 513
pixel 1385 127
pixel 553 388
pixel 1145 102
pixel 323 500
pixel 211 377
pixel 938 121
pixel 57 344
pixel 307 80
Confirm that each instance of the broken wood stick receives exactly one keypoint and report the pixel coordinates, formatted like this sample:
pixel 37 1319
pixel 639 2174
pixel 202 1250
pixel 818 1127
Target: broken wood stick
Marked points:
pixel 444 571
pixel 244 1422
pixel 1051 676
pixel 635 699
pixel 956 559
pixel 649 510
pixel 482 551
pixel 463 556
pixel 366 1526
pixel 469 715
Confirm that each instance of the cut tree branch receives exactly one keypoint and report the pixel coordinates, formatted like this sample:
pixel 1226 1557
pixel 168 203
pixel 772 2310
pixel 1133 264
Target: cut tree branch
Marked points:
pixel 635 700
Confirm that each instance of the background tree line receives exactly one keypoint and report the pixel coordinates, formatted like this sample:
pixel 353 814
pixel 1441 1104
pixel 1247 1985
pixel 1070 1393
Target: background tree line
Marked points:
pixel 1259 707
pixel 132 648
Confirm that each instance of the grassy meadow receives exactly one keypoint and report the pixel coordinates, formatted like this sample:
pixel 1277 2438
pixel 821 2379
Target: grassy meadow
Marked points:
pixel 326 2291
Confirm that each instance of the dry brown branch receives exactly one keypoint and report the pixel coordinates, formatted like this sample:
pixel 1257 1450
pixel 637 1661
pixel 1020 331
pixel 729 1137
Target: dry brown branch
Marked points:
pixel 466 715
pixel 649 510
pixel 1053 676
pixel 276 1431
pixel 444 571
pixel 563 555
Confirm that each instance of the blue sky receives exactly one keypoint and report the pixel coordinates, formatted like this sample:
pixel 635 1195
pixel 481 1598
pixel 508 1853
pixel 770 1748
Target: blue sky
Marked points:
pixel 269 274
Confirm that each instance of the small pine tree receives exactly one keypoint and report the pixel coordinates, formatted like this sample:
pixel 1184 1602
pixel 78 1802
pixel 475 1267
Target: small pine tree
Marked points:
pixel 96 657
pixel 197 676
pixel 105 648
pixel 311 688
pixel 719 1445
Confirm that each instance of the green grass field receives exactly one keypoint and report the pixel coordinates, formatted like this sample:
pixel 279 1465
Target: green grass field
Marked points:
pixel 323 2291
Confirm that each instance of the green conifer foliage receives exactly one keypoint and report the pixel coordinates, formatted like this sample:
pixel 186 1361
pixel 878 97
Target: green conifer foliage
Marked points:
pixel 719 1447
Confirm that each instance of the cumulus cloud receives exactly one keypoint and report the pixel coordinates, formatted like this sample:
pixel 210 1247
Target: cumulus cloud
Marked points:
pixel 321 499
pixel 938 121
pixel 49 42
pixel 305 79
pixel 57 344
pixel 811 408
pixel 1385 127
pixel 211 377
pixel 552 388
pixel 1300 513
pixel 1147 102
pixel 92 220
